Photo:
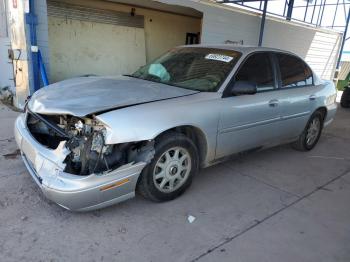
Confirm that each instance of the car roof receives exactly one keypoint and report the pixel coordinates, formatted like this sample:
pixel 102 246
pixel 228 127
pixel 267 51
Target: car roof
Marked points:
pixel 244 49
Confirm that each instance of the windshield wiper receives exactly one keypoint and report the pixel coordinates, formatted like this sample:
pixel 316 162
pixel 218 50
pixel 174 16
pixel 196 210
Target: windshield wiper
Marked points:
pixel 143 78
pixel 132 76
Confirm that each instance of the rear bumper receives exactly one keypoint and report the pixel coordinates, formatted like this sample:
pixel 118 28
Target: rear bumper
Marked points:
pixel 331 111
pixel 76 193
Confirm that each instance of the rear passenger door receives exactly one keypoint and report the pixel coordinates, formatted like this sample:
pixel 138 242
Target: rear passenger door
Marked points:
pixel 296 95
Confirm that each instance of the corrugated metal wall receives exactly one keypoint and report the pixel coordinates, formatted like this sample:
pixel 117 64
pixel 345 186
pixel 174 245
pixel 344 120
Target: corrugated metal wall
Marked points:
pixel 61 10
pixel 344 70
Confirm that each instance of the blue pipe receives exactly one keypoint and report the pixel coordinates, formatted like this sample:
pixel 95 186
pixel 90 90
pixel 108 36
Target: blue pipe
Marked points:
pixel 42 70
pixel 36 58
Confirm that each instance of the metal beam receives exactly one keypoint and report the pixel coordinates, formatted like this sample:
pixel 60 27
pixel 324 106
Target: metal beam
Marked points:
pixel 307 7
pixel 237 1
pixel 290 10
pixel 335 13
pixel 262 25
pixel 344 39
pixel 324 5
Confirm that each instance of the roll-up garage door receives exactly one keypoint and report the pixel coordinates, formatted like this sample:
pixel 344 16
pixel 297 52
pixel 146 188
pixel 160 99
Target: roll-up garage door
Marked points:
pixel 93 41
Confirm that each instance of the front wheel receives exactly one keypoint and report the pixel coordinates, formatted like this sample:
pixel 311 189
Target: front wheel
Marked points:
pixel 311 134
pixel 171 171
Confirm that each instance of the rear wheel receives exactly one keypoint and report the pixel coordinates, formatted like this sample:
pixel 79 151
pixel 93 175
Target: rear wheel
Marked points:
pixel 311 134
pixel 345 98
pixel 171 171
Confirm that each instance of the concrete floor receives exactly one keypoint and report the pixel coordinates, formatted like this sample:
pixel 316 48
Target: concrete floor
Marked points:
pixel 275 205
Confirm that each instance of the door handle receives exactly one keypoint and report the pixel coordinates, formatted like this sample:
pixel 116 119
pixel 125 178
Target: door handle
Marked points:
pixel 273 103
pixel 312 97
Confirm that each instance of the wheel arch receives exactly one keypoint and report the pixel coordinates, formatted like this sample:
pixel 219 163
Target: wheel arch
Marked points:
pixel 323 111
pixel 196 135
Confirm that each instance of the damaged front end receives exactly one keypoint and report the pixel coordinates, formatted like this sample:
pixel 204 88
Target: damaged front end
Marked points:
pixel 85 139
pixel 70 160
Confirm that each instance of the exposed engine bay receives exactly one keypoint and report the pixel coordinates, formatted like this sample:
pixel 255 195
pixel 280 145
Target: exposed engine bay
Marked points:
pixel 85 139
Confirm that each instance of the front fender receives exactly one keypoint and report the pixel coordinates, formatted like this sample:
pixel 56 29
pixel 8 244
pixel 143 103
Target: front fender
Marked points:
pixel 147 121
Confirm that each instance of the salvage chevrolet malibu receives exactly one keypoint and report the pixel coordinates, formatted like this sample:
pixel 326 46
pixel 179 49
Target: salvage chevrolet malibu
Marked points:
pixel 91 142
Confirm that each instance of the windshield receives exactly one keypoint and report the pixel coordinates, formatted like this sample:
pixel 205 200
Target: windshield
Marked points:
pixel 200 69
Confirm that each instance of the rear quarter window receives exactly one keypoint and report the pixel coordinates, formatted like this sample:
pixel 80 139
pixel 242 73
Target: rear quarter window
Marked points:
pixel 294 71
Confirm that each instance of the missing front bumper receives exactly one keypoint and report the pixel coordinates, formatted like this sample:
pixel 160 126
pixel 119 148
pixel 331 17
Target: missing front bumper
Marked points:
pixel 76 193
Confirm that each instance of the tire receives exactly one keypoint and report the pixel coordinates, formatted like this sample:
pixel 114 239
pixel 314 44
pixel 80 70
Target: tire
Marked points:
pixel 176 173
pixel 345 98
pixel 304 143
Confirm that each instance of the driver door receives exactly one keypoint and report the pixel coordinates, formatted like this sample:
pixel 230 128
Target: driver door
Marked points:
pixel 251 121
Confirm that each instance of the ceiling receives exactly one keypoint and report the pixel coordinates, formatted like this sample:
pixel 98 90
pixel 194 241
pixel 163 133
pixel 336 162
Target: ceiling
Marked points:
pixel 157 5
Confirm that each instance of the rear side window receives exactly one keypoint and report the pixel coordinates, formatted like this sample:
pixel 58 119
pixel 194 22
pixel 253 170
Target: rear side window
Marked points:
pixel 294 71
pixel 258 68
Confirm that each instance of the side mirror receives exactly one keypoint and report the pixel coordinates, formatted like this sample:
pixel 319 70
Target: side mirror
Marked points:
pixel 244 88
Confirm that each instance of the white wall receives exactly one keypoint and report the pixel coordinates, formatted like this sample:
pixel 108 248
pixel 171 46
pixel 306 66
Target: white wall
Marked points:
pixel 220 25
pixel 162 30
pixel 80 47
pixel 318 47
pixel 6 69
pixel 18 38
pixel 3 19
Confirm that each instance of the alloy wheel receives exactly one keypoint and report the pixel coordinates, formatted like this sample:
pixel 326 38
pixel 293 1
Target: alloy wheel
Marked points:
pixel 172 169
pixel 313 131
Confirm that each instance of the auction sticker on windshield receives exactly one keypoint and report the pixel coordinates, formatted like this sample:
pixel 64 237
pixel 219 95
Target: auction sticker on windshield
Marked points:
pixel 218 57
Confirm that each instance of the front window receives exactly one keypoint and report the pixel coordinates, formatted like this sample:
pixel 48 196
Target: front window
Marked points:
pixel 200 69
pixel 258 69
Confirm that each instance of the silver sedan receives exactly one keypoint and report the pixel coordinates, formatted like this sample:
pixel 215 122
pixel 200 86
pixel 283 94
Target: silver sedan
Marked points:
pixel 91 142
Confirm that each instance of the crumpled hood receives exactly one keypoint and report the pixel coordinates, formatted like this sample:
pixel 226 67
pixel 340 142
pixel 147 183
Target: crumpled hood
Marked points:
pixel 87 95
